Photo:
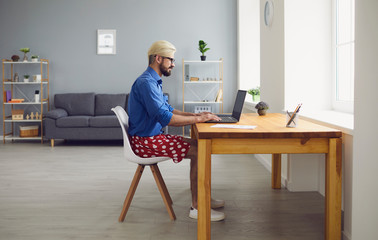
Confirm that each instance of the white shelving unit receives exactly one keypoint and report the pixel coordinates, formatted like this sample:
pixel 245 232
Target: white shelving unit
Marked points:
pixel 24 90
pixel 203 92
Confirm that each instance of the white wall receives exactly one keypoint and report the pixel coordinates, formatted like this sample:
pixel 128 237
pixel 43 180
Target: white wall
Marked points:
pixel 308 60
pixel 248 44
pixel 272 59
pixel 365 142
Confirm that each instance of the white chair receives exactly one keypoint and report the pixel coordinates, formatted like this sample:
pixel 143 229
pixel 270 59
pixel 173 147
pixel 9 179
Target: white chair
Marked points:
pixel 123 119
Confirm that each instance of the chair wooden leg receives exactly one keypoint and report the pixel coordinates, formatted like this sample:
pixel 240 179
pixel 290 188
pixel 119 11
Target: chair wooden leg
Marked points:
pixel 163 186
pixel 130 194
pixel 163 190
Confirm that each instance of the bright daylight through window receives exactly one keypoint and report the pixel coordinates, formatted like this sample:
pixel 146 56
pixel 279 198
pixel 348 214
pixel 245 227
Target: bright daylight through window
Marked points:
pixel 344 55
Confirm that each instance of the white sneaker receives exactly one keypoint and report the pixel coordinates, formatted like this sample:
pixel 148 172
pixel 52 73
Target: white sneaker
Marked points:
pixel 215 215
pixel 215 203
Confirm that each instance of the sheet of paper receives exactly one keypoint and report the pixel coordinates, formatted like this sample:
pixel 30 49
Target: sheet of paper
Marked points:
pixel 234 126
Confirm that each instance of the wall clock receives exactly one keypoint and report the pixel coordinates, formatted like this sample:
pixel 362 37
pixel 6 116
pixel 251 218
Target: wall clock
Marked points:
pixel 268 13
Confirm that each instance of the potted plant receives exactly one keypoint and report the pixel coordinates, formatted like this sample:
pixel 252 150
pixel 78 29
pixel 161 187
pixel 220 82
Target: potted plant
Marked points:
pixel 261 108
pixel 202 48
pixel 34 58
pixel 25 51
pixel 15 58
pixel 255 92
pixel 26 78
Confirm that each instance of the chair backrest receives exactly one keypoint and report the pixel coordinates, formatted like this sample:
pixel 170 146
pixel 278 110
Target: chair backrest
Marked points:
pixel 123 119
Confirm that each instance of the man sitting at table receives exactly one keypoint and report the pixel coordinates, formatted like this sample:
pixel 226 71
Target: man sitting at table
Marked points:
pixel 149 113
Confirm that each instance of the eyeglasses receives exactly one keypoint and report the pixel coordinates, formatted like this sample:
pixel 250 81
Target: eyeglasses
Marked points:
pixel 171 59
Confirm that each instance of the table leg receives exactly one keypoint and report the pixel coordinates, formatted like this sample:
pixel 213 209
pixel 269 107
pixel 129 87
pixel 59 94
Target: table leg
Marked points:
pixel 276 171
pixel 204 189
pixel 333 190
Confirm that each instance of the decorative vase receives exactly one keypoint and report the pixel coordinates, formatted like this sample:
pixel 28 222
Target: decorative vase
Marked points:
pixel 25 58
pixel 256 98
pixel 16 77
pixel 261 112
pixel 203 58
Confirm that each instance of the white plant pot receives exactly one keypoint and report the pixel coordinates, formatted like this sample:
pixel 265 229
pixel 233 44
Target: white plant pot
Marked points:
pixel 34 60
pixel 26 79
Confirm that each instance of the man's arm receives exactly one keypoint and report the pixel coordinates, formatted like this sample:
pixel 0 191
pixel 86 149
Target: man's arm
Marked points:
pixel 180 118
pixel 181 113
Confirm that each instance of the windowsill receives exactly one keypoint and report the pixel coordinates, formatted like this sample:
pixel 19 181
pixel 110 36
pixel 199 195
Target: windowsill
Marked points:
pixel 338 120
pixel 250 105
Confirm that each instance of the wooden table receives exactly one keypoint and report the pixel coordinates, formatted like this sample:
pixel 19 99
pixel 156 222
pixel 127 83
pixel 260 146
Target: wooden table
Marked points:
pixel 270 137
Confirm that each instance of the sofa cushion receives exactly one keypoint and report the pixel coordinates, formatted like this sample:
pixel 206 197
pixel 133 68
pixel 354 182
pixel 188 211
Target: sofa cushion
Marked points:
pixel 105 102
pixel 104 121
pixel 73 121
pixel 56 113
pixel 76 103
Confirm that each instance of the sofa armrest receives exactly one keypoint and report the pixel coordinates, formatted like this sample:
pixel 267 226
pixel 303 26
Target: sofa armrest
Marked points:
pixel 56 113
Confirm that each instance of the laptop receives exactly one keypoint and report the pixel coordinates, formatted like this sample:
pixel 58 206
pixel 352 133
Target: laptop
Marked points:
pixel 238 107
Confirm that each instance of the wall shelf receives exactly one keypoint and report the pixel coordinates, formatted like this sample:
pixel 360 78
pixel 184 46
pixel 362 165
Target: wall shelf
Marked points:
pixel 26 103
pixel 202 92
pixel 24 90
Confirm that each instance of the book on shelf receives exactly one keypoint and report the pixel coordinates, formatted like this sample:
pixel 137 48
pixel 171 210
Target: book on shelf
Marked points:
pixel 16 100
pixel 219 97
pixel 7 96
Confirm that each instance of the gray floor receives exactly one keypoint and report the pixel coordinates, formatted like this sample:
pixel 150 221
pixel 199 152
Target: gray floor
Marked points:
pixel 76 191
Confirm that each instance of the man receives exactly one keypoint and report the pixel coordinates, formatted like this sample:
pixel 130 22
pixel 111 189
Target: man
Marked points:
pixel 149 112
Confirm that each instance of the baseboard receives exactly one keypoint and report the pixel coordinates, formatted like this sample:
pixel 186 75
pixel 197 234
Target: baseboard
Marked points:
pixel 267 163
pixel 346 236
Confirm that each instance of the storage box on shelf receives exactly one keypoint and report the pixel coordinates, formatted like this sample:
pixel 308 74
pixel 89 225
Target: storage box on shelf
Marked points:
pixel 202 87
pixel 29 131
pixel 19 99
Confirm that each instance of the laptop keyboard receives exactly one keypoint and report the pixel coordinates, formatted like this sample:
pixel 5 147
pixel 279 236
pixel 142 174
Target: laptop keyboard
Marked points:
pixel 227 119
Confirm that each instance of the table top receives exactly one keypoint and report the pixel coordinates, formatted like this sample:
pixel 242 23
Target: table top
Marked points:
pixel 272 125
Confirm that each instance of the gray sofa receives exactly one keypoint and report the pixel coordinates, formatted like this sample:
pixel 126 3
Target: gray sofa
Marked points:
pixel 84 116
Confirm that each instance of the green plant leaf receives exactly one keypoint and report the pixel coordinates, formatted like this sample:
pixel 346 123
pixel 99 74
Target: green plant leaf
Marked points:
pixel 25 50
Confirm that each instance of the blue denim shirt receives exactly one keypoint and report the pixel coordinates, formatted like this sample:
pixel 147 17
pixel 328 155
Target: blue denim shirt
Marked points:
pixel 148 108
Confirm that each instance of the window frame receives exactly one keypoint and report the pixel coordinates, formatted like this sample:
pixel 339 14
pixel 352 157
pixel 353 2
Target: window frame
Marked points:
pixel 339 105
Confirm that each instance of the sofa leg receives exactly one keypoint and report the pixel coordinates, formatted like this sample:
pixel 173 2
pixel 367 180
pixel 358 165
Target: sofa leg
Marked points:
pixel 52 142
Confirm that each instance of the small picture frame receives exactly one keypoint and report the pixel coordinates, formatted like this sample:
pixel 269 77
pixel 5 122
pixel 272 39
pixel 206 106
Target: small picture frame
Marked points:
pixel 106 41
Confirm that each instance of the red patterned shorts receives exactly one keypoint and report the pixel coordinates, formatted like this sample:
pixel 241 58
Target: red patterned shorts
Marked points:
pixel 163 145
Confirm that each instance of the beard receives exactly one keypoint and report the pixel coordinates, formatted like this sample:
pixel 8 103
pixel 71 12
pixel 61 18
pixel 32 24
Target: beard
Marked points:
pixel 165 71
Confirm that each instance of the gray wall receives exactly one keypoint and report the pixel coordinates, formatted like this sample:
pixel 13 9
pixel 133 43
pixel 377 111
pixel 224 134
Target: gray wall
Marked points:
pixel 365 137
pixel 65 33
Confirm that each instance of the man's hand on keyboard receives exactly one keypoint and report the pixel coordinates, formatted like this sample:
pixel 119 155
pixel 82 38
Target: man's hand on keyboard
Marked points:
pixel 207 116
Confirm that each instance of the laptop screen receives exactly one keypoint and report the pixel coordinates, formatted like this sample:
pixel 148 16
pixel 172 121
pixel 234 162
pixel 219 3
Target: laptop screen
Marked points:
pixel 239 102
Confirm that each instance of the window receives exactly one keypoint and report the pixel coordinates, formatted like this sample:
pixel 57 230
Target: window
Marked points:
pixel 344 55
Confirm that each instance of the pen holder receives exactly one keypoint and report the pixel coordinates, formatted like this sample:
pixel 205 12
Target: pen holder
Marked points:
pixel 291 119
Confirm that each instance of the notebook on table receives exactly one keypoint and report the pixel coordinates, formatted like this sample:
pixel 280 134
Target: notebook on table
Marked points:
pixel 236 112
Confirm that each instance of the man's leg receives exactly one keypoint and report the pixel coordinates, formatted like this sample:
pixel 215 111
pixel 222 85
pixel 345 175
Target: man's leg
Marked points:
pixel 192 154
